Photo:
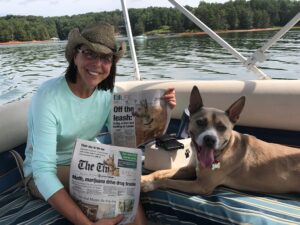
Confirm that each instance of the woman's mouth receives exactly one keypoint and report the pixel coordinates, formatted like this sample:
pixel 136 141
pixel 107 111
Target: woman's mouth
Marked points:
pixel 93 73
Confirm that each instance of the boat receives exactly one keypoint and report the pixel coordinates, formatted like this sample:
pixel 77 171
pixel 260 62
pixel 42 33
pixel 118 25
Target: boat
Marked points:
pixel 271 113
pixel 140 37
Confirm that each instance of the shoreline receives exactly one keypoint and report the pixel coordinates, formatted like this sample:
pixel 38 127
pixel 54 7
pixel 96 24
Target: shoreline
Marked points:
pixel 181 34
pixel 230 31
pixel 23 42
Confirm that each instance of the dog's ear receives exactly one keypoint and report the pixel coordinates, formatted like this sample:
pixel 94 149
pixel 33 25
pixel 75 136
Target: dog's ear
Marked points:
pixel 234 111
pixel 195 100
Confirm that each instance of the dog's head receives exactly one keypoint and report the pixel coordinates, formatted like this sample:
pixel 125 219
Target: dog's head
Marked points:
pixel 110 161
pixel 210 128
pixel 143 112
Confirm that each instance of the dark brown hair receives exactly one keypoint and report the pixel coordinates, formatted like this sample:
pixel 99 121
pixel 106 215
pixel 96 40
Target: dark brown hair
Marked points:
pixel 107 84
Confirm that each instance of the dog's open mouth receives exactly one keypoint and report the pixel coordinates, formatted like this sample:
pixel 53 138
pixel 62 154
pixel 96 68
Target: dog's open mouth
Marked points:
pixel 205 155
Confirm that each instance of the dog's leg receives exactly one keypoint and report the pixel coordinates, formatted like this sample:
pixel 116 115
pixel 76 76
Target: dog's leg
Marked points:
pixel 152 181
pixel 190 186
pixel 177 179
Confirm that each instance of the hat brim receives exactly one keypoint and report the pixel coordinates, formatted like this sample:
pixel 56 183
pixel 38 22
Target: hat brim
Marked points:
pixel 75 39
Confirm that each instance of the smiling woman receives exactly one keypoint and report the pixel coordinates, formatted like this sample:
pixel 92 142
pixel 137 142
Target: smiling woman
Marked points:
pixel 57 112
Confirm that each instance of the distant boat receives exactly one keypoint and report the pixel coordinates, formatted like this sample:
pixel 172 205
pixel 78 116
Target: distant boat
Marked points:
pixel 54 39
pixel 140 37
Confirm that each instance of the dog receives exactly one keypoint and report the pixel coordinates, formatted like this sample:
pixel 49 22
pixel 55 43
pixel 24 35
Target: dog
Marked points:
pixel 151 121
pixel 113 169
pixel 228 158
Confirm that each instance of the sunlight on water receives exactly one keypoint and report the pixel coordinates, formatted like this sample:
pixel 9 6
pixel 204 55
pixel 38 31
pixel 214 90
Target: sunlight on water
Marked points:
pixel 25 66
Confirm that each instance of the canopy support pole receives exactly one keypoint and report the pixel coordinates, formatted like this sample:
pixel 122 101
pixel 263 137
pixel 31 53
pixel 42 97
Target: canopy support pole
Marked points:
pixel 218 39
pixel 130 40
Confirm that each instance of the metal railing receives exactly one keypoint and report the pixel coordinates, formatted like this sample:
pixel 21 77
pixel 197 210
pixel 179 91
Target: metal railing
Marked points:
pixel 259 55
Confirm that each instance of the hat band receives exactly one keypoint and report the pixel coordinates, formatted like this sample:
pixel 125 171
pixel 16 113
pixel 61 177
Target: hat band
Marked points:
pixel 101 43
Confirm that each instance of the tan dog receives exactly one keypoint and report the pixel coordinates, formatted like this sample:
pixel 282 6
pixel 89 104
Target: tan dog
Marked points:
pixel 226 157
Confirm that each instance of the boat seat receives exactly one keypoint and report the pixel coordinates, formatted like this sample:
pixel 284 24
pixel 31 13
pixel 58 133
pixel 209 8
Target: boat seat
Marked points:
pixel 13 124
pixel 223 206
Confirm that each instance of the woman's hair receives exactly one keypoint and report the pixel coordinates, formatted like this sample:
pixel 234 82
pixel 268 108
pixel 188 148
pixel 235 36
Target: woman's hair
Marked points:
pixel 107 84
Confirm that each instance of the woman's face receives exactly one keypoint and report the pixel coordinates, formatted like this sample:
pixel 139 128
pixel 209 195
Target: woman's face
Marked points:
pixel 92 68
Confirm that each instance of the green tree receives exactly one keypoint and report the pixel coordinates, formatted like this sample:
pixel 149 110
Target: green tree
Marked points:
pixel 245 18
pixel 261 19
pixel 6 33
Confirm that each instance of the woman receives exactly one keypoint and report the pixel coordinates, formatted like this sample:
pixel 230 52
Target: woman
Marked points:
pixel 68 107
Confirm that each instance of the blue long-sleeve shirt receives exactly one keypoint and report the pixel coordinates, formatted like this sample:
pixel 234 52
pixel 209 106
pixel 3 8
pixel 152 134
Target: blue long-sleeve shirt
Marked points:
pixel 56 119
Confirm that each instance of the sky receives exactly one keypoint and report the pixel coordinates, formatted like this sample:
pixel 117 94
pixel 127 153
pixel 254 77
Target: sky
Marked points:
pixel 73 7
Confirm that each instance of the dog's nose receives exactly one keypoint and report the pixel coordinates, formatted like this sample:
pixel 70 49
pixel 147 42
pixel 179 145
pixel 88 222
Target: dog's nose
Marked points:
pixel 209 141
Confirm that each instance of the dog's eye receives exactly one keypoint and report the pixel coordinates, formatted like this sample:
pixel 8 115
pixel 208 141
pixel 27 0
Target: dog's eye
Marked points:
pixel 202 123
pixel 221 128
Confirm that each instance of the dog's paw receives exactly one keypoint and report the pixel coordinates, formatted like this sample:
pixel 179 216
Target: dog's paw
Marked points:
pixel 147 184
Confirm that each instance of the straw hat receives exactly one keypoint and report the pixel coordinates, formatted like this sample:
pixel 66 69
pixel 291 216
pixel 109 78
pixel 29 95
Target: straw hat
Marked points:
pixel 99 37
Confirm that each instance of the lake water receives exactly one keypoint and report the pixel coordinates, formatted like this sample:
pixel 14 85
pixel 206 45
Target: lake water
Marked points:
pixel 24 67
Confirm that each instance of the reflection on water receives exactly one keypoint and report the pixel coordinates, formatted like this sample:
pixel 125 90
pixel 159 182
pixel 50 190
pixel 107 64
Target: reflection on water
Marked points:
pixel 24 67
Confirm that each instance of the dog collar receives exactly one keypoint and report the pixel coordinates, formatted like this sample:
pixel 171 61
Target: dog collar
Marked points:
pixel 216 165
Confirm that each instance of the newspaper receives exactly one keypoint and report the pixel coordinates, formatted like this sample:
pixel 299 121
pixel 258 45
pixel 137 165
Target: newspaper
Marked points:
pixel 105 180
pixel 138 117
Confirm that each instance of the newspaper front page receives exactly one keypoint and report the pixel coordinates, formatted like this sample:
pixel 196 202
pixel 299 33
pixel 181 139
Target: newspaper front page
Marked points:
pixel 105 180
pixel 138 117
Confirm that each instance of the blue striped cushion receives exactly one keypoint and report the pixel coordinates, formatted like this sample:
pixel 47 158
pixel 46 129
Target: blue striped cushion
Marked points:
pixel 9 171
pixel 17 207
pixel 224 206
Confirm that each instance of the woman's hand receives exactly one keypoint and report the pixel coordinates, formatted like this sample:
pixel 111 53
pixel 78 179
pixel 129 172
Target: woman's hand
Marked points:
pixel 170 97
pixel 111 221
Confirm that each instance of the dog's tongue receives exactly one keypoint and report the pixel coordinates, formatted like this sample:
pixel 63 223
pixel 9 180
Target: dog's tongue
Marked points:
pixel 206 157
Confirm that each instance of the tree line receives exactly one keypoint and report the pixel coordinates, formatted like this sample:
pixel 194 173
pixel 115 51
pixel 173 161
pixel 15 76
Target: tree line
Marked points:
pixel 238 14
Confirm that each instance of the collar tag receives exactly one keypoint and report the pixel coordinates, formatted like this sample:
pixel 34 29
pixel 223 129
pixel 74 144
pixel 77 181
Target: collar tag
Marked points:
pixel 216 165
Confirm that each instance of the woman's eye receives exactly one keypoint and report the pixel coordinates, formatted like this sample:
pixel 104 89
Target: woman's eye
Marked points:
pixel 92 55
pixel 106 59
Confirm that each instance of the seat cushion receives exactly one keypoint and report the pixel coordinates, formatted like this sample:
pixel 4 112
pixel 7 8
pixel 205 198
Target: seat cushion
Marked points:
pixel 18 207
pixel 223 206
pixel 10 170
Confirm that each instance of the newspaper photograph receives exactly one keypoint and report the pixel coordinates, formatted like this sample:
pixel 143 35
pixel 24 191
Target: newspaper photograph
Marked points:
pixel 105 180
pixel 138 117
